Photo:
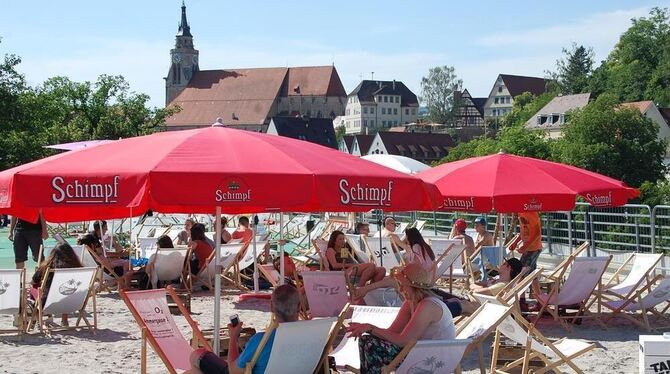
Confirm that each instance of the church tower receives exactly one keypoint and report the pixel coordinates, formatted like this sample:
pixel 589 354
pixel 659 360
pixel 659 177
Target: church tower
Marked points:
pixel 184 60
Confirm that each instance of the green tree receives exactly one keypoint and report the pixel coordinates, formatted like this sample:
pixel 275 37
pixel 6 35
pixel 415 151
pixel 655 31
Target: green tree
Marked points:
pixel 617 142
pixel 574 70
pixel 525 107
pixel 340 131
pixel 655 193
pixel 437 92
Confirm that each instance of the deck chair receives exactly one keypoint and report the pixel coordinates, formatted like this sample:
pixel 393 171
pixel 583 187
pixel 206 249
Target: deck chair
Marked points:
pixel 641 272
pixel 480 325
pixel 326 292
pixel 169 264
pixel 106 277
pixel 490 255
pixel 346 353
pixel 230 255
pixel 429 356
pixel 643 302
pixel 567 261
pixel 69 293
pixel 360 249
pixel 320 247
pixel 152 314
pixel 451 263
pixel 271 274
pixel 245 261
pixel 13 297
pixel 306 343
pixel 584 278
pixel 384 256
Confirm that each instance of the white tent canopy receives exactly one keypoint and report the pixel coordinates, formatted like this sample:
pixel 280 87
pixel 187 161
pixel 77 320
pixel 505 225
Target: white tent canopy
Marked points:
pixel 400 163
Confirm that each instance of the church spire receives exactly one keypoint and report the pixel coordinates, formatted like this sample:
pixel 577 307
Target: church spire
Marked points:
pixel 184 28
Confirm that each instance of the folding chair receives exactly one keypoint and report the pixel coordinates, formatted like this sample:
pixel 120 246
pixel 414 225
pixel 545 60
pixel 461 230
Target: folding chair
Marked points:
pixel 452 263
pixel 382 253
pixel 346 353
pixel 429 356
pixel 271 274
pixel 230 256
pixel 585 276
pixel 567 261
pixel 13 298
pixel 480 325
pixel 641 272
pixel 107 277
pixel 169 264
pixel 326 292
pixel 320 247
pixel 312 339
pixel 490 255
pixel 152 314
pixel 69 293
pixel 639 305
pixel 356 242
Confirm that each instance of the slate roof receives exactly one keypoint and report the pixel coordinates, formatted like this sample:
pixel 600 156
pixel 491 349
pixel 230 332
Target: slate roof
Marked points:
pixel 367 89
pixel 428 146
pixel 315 130
pixel 560 105
pixel 518 84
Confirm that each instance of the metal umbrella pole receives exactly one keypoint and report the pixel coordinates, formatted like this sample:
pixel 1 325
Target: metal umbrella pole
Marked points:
pixel 381 223
pixel 217 283
pixel 256 287
pixel 281 249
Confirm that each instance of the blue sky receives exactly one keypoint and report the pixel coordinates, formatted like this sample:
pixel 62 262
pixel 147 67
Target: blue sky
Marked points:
pixel 396 40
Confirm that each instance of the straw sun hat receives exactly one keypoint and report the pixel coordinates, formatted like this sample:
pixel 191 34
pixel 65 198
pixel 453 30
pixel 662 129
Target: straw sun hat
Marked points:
pixel 413 275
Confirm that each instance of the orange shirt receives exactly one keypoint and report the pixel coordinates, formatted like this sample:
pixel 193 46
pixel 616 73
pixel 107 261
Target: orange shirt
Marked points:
pixel 531 232
pixel 245 235
pixel 202 252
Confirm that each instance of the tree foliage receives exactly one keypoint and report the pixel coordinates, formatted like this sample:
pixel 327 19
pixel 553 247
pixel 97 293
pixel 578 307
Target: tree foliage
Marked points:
pixel 524 108
pixel 618 142
pixel 574 70
pixel 437 92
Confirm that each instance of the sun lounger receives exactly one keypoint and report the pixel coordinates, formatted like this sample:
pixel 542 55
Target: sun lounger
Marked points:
pixel 360 249
pixel 106 277
pixel 152 314
pixel 382 253
pixel 489 255
pixel 169 264
pixel 346 354
pixel 230 256
pixel 13 298
pixel 320 247
pixel 584 278
pixel 69 293
pixel 480 325
pixel 429 356
pixel 300 347
pixel 326 292
pixel 565 264
pixel 643 302
pixel 642 270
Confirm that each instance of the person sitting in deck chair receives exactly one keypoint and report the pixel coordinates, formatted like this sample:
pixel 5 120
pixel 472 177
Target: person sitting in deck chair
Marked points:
pixel 284 305
pixel 458 232
pixel 61 257
pixel 122 270
pixel 342 258
pixel 508 271
pixel 200 248
pixel 184 236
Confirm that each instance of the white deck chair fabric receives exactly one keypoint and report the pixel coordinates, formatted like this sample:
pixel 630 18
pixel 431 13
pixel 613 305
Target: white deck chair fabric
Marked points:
pixel 656 296
pixel 228 255
pixel 383 253
pixel 584 275
pixel 69 290
pixel 270 271
pixel 452 262
pixel 11 292
pixel 434 357
pixel 440 245
pixel 488 316
pixel 153 310
pixel 643 265
pixel 248 258
pixel 356 243
pixel 168 264
pixel 326 292
pixel 322 247
pixel 346 353
pixel 383 297
pixel 298 346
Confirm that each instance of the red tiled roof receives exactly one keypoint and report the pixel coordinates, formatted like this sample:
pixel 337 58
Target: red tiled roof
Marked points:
pixel 313 81
pixel 642 106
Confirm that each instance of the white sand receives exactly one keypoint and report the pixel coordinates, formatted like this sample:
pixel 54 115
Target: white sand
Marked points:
pixel 116 345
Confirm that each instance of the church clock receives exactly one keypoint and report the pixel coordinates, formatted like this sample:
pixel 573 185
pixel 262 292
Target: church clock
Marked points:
pixel 176 58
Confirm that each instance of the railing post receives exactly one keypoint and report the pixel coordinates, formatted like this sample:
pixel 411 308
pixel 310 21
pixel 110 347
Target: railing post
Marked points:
pixel 570 232
pixel 637 234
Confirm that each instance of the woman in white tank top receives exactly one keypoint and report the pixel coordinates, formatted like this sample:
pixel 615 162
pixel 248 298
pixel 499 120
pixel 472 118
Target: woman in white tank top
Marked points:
pixel 422 316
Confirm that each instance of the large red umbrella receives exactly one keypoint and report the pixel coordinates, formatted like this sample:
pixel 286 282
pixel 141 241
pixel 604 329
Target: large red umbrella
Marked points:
pixel 194 171
pixel 511 184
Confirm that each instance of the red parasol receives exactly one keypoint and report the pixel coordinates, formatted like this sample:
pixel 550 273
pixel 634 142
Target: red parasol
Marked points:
pixel 511 184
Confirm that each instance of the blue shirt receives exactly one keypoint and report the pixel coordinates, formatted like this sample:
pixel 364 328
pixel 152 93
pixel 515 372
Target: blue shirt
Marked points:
pixel 250 349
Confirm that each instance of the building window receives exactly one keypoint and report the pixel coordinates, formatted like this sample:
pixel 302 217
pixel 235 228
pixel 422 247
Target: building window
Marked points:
pixel 372 110
pixel 383 123
pixel 383 110
pixel 318 114
pixel 493 112
pixel 413 112
pixel 365 122
pixel 499 89
pixel 397 99
pixel 386 99
pixel 495 100
pixel 395 111
pixel 372 122
pixel 348 111
pixel 365 110
pixel 407 111
pixel 508 99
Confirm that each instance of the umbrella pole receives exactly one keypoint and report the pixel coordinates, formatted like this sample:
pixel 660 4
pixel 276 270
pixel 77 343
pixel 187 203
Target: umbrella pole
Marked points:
pixel 256 288
pixel 217 283
pixel 281 250
pixel 130 238
pixel 501 240
pixel 381 223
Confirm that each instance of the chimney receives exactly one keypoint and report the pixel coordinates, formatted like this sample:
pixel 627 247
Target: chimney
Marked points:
pixel 394 85
pixel 380 84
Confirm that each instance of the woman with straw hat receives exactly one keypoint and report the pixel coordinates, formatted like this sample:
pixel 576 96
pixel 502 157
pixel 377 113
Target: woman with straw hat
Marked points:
pixel 422 316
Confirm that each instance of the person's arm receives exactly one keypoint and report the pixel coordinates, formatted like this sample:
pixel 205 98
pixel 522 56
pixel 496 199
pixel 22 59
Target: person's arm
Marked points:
pixel 45 232
pixel 332 260
pixel 226 236
pixel 12 224
pixel 491 290
pixel 404 244
pixel 233 348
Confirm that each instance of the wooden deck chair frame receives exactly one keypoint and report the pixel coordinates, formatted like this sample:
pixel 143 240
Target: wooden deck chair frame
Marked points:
pixel 560 269
pixel 22 312
pixel 101 274
pixel 267 274
pixel 644 280
pixel 185 268
pixel 207 279
pixel 198 337
pixel 621 311
pixel 38 311
pixel 398 360
pixel 322 365
pixel 466 265
pixel 479 340
pixel 323 260
pixel 533 334
pixel 360 251
pixel 583 307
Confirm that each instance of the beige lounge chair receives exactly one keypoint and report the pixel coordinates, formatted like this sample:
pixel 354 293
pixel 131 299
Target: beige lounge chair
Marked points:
pixel 326 292
pixel 642 268
pixel 642 302
pixel 429 356
pixel 13 298
pixel 152 314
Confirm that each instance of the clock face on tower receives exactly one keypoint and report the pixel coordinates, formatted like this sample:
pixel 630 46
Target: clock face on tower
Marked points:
pixel 195 60
pixel 176 58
